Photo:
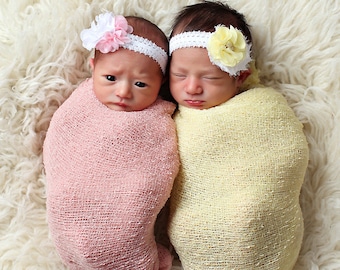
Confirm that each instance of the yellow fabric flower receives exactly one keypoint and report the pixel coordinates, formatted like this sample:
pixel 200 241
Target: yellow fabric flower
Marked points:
pixel 227 45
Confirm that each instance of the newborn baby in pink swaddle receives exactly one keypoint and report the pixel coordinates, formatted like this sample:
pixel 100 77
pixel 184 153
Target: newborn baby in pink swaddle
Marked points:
pixel 110 153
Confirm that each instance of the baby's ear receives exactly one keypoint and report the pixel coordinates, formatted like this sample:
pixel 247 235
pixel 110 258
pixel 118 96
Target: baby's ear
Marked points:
pixel 91 61
pixel 243 76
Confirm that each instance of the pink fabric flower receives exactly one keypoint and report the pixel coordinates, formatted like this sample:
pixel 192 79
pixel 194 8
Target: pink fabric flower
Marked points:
pixel 108 34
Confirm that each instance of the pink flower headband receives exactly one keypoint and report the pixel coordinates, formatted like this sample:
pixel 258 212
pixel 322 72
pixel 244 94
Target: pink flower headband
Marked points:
pixel 113 32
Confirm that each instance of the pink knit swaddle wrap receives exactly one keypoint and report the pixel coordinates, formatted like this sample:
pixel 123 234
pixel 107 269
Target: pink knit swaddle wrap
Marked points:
pixel 109 173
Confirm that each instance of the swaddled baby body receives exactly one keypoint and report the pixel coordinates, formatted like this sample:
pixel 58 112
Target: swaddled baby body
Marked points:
pixel 109 173
pixel 235 202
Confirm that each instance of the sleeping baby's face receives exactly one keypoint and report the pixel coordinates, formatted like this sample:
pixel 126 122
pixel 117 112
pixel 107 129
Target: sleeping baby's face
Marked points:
pixel 196 83
pixel 126 80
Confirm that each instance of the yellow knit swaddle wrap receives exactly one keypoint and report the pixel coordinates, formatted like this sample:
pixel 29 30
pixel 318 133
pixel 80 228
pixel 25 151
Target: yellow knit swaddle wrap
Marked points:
pixel 235 202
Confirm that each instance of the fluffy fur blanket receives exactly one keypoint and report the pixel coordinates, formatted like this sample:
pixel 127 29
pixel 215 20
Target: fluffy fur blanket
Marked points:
pixel 297 46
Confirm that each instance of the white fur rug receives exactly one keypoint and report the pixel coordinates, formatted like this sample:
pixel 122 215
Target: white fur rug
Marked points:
pixel 42 61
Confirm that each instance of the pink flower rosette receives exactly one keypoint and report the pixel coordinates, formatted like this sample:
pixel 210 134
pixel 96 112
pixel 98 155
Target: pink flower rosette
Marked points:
pixel 107 33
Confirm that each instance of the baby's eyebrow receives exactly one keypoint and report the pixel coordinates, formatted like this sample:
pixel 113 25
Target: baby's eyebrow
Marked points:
pixel 179 68
pixel 145 75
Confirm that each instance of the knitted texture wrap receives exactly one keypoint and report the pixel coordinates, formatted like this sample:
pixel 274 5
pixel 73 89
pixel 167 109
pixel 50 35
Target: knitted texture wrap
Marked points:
pixel 109 173
pixel 235 202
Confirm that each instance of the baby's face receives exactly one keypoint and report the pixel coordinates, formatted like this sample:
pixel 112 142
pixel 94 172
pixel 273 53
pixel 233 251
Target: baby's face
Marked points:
pixel 196 83
pixel 125 80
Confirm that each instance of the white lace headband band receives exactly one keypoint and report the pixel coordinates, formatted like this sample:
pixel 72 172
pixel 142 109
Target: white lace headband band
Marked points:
pixel 147 47
pixel 227 47
pixel 108 33
pixel 196 39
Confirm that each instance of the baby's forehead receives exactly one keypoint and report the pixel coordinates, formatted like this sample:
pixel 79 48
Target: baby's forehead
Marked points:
pixel 127 61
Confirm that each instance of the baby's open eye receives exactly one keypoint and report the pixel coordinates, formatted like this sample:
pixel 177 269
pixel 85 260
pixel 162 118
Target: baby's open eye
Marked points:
pixel 140 84
pixel 110 78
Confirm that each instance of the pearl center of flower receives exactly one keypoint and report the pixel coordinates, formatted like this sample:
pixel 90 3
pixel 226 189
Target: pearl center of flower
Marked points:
pixel 230 45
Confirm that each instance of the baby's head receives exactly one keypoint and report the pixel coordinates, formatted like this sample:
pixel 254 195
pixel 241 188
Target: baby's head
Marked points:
pixel 129 62
pixel 206 16
pixel 210 46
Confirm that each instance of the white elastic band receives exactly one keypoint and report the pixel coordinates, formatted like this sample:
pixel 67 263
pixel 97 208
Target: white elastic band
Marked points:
pixel 148 48
pixel 194 39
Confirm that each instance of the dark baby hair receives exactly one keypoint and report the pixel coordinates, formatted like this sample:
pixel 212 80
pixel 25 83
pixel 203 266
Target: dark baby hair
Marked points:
pixel 206 15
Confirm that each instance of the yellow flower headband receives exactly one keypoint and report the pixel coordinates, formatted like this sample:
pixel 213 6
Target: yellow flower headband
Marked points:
pixel 227 47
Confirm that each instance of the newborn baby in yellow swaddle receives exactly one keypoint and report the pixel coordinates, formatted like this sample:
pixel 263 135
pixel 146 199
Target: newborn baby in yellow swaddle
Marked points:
pixel 235 202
